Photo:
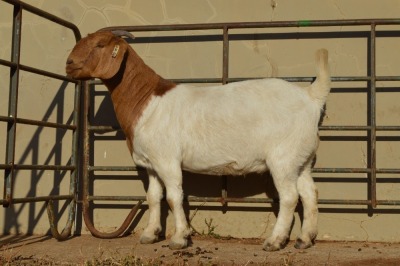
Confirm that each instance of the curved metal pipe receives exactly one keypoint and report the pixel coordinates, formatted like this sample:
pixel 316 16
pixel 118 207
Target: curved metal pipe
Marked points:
pixel 90 226
pixel 66 232
pixel 85 175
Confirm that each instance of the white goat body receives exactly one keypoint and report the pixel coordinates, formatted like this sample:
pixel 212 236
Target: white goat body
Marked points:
pixel 235 129
pixel 232 129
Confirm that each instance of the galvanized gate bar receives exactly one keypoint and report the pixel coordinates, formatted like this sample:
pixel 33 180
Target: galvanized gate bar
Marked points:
pixel 38 167
pixel 13 120
pixel 372 120
pixel 314 170
pixel 36 71
pixel 36 123
pixel 225 75
pixel 246 200
pixel 371 128
pixel 12 105
pixel 290 79
pixel 254 25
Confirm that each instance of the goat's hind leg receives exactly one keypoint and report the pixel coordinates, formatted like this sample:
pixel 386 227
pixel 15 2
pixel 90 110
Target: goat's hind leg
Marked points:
pixel 308 194
pixel 154 196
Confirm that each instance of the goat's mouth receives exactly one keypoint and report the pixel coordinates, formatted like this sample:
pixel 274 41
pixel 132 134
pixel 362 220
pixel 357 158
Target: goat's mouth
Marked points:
pixel 70 70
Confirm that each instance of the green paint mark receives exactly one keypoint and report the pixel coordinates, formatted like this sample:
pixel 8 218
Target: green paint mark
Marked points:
pixel 304 23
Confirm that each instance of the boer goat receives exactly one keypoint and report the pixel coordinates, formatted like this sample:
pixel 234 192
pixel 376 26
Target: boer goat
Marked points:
pixel 234 129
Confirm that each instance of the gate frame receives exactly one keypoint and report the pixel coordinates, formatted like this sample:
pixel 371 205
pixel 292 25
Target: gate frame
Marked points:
pixel 13 120
pixel 371 128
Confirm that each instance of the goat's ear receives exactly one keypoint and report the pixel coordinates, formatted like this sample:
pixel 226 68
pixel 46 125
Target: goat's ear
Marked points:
pixel 111 59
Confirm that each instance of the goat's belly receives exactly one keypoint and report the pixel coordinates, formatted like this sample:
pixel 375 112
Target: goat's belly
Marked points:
pixel 228 168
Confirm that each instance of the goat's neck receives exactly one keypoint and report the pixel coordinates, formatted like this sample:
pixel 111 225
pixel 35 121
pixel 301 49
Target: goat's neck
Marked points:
pixel 131 89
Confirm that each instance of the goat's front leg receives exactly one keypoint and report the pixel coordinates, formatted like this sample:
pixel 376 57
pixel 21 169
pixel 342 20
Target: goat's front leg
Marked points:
pixel 154 196
pixel 172 179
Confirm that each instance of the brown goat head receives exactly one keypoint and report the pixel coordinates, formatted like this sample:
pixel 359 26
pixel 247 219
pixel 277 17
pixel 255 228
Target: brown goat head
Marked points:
pixel 99 55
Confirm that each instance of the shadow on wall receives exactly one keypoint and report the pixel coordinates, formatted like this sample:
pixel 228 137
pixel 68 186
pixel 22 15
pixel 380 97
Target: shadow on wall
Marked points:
pixel 13 214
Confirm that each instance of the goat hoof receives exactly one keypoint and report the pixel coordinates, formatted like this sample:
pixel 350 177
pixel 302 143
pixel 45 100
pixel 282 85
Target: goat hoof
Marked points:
pixel 181 244
pixel 148 239
pixel 271 247
pixel 275 243
pixel 300 244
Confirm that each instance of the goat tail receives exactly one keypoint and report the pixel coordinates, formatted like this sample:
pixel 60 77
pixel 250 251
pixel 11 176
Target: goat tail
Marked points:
pixel 320 88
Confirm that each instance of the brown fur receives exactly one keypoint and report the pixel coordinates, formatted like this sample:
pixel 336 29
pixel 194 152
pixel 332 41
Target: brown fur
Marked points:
pixel 130 81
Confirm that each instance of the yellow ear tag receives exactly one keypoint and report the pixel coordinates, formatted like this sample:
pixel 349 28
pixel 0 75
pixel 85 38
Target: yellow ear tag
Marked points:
pixel 115 51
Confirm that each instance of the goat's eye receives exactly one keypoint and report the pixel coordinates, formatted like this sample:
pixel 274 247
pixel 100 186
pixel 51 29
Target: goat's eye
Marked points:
pixel 100 45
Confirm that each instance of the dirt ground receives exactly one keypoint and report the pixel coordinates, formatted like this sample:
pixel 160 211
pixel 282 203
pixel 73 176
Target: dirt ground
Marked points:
pixel 88 250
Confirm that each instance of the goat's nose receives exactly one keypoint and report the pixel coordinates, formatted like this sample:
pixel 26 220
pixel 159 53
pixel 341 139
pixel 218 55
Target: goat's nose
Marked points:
pixel 69 61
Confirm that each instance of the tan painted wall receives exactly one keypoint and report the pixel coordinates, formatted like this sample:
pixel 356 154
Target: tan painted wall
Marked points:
pixel 46 46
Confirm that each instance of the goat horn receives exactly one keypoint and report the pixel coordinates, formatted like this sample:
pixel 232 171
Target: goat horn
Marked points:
pixel 123 33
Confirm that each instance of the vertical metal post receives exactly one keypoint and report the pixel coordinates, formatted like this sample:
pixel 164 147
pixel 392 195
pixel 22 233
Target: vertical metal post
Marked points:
pixel 86 142
pixel 372 120
pixel 225 56
pixel 225 75
pixel 76 152
pixel 12 105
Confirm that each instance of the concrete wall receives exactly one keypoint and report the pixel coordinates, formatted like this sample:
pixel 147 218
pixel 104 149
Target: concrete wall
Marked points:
pixel 46 46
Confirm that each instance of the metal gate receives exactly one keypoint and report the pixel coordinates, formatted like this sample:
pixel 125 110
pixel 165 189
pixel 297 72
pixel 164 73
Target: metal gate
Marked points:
pixel 86 166
pixel 371 129
pixel 12 119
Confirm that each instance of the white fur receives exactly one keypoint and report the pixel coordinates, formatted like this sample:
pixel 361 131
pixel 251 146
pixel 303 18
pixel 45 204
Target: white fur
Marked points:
pixel 239 124
pixel 242 127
